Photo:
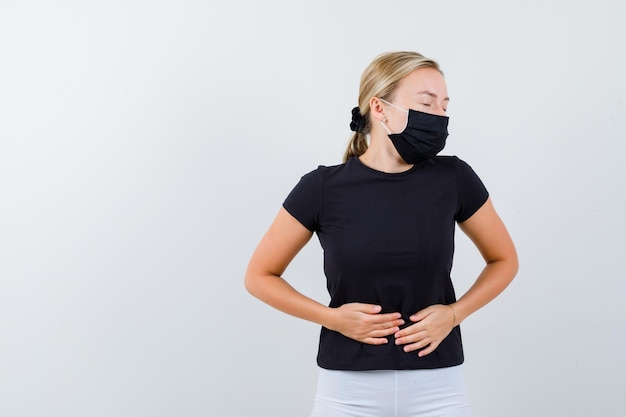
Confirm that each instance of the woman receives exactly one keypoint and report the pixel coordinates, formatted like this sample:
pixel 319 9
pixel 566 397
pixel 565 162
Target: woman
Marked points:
pixel 390 343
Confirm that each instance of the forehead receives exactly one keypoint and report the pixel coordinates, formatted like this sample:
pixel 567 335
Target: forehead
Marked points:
pixel 423 79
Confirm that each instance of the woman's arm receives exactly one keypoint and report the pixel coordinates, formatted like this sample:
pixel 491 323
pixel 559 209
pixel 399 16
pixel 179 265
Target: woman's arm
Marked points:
pixel 434 323
pixel 282 242
pixel 487 231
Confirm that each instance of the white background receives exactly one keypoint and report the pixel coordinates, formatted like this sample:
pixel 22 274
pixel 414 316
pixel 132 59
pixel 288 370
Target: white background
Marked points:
pixel 145 147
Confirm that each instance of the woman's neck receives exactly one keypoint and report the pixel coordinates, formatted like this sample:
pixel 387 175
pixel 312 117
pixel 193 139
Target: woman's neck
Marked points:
pixel 382 156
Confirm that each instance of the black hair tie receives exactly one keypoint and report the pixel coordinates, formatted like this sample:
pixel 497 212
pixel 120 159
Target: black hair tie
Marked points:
pixel 358 121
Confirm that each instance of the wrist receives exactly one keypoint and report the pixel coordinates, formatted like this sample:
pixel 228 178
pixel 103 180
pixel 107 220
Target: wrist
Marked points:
pixel 327 318
pixel 459 313
pixel 454 319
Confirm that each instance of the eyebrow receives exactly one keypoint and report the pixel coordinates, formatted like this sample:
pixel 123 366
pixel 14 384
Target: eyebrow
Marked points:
pixel 430 93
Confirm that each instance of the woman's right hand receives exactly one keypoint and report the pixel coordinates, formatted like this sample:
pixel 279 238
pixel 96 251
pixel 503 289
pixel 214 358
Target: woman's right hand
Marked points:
pixel 364 323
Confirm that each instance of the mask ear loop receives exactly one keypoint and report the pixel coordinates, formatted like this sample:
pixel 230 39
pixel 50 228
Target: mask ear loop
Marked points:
pixel 384 124
pixel 384 121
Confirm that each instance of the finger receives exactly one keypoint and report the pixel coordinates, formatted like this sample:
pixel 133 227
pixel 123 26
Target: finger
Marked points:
pixel 378 325
pixel 412 329
pixel 411 338
pixel 387 330
pixel 383 332
pixel 430 349
pixel 374 310
pixel 421 315
pixel 418 345
pixel 383 319
pixel 367 308
pixel 375 340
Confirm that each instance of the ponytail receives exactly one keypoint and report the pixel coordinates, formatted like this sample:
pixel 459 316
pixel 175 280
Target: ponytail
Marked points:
pixel 356 147
pixel 358 142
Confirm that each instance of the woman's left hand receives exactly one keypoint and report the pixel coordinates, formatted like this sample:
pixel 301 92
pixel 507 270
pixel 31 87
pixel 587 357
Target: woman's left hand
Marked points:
pixel 432 325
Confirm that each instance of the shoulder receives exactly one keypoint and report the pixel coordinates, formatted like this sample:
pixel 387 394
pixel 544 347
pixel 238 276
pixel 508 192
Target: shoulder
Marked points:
pixel 322 171
pixel 448 160
pixel 453 162
pixel 313 181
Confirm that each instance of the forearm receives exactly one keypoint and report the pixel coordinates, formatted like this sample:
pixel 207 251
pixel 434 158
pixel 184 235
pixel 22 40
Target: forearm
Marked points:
pixel 494 278
pixel 275 291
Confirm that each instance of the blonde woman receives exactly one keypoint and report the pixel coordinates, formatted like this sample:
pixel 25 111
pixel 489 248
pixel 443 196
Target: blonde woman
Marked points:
pixel 390 342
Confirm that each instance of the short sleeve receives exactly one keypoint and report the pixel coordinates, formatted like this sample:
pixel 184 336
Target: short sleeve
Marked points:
pixel 472 193
pixel 305 200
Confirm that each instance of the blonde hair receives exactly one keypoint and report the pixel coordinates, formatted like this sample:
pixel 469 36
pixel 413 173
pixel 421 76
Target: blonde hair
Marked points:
pixel 380 79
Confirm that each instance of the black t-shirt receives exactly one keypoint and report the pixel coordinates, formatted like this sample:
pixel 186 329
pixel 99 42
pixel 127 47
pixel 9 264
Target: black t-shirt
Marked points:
pixel 388 239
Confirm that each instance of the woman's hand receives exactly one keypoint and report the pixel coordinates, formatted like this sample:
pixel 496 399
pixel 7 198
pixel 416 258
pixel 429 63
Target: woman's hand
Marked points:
pixel 364 323
pixel 432 325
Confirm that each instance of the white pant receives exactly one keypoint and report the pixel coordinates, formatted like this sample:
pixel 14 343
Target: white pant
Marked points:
pixel 407 393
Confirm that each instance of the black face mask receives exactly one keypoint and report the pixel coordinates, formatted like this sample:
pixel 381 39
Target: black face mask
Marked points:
pixel 423 137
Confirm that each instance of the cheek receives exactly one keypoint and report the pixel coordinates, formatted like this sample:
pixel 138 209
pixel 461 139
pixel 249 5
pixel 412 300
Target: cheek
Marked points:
pixel 398 124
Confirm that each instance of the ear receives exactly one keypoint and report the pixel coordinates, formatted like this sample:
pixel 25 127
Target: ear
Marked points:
pixel 377 110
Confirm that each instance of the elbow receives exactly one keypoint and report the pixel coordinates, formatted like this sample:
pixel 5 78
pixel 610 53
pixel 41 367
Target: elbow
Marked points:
pixel 511 272
pixel 507 265
pixel 514 263
pixel 249 283
pixel 254 282
pixel 512 267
